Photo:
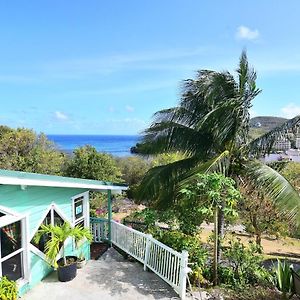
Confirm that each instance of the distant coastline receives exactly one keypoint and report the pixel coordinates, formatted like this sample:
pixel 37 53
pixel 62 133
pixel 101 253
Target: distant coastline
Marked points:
pixel 117 145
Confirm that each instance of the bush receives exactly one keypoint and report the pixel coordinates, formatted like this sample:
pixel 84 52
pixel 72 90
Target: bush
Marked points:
pixel 142 220
pixel 8 289
pixel 179 241
pixel 242 266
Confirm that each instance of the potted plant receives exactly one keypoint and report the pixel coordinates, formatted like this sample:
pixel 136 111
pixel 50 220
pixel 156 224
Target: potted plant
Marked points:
pixel 8 289
pixel 81 261
pixel 67 265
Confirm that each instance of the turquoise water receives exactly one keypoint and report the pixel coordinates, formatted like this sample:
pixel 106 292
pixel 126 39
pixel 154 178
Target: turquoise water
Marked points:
pixel 118 145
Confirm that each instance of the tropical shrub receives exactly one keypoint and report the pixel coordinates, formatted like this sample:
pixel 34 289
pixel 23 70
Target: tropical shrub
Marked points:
pixel 198 254
pixel 23 150
pixel 88 163
pixel 59 234
pixel 8 289
pixel 284 279
pixel 242 266
pixel 260 215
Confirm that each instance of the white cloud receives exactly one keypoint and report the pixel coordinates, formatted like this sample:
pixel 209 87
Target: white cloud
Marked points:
pixel 291 110
pixel 60 116
pixel 246 33
pixel 129 108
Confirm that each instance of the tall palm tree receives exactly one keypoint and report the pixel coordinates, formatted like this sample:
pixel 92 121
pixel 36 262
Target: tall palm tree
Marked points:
pixel 211 127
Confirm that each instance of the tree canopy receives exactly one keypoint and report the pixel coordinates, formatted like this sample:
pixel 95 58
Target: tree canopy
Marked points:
pixel 87 163
pixel 23 150
pixel 211 127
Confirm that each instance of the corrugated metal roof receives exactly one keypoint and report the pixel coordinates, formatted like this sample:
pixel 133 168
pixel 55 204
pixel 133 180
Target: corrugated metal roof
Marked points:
pixel 34 179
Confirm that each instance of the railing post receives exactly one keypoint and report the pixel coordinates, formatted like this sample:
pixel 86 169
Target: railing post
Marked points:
pixel 183 273
pixel 109 208
pixel 147 251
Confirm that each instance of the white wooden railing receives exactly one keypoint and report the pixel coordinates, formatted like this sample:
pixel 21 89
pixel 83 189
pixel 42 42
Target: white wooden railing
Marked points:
pixel 167 263
pixel 99 229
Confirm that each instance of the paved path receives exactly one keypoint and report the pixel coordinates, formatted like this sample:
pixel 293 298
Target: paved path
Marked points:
pixel 110 277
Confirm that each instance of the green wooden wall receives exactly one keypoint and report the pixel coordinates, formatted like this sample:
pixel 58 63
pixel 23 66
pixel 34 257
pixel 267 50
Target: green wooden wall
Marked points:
pixel 35 201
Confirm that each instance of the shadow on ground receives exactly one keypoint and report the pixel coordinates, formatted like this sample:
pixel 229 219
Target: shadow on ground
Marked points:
pixel 119 276
pixel 109 278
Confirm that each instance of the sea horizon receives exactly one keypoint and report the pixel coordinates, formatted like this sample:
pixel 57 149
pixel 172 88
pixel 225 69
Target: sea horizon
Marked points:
pixel 117 145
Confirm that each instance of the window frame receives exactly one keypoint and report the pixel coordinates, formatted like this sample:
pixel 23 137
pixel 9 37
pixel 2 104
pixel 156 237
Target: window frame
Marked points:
pixel 10 218
pixel 51 208
pixel 86 210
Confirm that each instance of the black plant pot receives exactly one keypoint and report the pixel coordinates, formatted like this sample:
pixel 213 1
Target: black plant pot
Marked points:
pixel 68 272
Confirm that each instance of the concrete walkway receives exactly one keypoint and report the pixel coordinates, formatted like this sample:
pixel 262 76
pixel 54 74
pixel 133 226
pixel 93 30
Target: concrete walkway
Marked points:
pixel 110 277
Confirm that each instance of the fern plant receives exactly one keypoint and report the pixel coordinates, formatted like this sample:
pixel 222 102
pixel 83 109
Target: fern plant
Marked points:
pixel 59 234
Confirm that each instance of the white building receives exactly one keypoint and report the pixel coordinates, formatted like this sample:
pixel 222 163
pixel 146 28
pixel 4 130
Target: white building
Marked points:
pixel 298 142
pixel 282 145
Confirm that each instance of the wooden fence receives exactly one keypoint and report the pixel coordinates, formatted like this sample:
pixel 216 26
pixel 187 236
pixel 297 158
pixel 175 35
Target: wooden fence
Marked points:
pixel 99 229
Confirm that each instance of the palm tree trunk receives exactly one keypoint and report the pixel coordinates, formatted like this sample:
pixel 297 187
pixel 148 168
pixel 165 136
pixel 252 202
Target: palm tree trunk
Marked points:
pixel 221 224
pixel 216 243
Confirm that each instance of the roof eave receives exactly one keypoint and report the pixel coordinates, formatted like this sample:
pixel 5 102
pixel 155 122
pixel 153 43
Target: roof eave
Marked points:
pixel 36 182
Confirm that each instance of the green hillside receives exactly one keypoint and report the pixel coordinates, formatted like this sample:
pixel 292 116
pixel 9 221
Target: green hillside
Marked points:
pixel 261 125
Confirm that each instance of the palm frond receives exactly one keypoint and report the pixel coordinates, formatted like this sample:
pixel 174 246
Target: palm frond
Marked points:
pixel 168 136
pixel 158 184
pixel 219 164
pixel 275 186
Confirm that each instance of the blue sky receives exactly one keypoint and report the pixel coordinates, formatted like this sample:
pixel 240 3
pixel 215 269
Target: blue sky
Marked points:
pixel 104 67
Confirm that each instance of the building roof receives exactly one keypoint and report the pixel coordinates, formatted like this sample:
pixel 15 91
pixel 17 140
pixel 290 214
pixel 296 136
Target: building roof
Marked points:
pixel 34 179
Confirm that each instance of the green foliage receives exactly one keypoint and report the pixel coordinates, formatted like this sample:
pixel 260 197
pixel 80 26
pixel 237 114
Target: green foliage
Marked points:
pixel 213 117
pixel 133 169
pixel 8 289
pixel 24 150
pixel 199 197
pixel 291 172
pixel 260 215
pixel 284 277
pixel 179 241
pixel 243 266
pixel 87 163
pixel 166 158
pixel 59 234
pixel 147 216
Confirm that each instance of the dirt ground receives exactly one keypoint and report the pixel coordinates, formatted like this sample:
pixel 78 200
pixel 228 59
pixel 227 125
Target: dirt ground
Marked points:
pixel 284 247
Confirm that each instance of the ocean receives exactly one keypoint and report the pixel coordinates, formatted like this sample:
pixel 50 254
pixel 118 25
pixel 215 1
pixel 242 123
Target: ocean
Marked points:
pixel 117 145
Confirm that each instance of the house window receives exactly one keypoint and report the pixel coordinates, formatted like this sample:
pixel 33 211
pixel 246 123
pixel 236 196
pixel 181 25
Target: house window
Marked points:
pixel 80 210
pixel 13 244
pixel 53 218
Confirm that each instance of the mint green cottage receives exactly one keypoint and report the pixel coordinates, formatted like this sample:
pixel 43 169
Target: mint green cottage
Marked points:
pixel 29 200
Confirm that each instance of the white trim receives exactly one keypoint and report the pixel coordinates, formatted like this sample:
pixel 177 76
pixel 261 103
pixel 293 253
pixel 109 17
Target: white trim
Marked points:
pixel 9 211
pixel 85 213
pixel 12 254
pixel 52 207
pixel 40 222
pixel 60 213
pixel 53 183
pixel 87 225
pixel 49 208
pixel 39 253
pixel 7 219
pixel 26 241
pixel 23 219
